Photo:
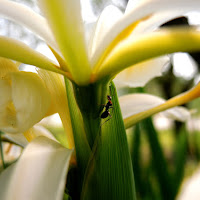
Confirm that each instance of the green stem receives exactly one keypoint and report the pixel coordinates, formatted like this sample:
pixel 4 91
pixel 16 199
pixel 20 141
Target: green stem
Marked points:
pixel 90 100
pixel 82 148
pixel 1 149
pixel 109 175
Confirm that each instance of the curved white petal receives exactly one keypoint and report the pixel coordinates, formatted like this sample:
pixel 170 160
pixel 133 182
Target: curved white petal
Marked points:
pixel 141 10
pixel 139 74
pixel 190 188
pixel 154 21
pixel 135 103
pixel 32 133
pixel 65 20
pixel 25 101
pixel 108 17
pixel 89 32
pixel 40 173
pixel 26 17
pixel 131 4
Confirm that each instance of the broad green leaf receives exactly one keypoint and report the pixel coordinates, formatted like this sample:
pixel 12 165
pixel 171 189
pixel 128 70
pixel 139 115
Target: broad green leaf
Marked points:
pixel 39 174
pixel 81 144
pixel 109 173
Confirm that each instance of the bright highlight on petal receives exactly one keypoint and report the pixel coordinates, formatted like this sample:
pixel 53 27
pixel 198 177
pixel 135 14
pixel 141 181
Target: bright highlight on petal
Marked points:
pixel 24 102
pixel 140 74
pixel 26 17
pixel 41 172
pixel 173 102
pixel 64 17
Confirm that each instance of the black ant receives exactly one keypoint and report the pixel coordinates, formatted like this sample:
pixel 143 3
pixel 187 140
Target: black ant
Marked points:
pixel 106 113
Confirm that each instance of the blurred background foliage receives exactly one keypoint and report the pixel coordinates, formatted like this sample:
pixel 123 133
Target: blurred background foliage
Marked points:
pixel 164 153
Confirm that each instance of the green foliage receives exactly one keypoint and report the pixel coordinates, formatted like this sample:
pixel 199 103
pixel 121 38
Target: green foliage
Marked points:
pixel 104 162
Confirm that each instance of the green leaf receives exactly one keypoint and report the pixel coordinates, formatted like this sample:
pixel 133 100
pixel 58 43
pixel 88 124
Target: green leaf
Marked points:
pixel 159 161
pixel 135 155
pixel 180 156
pixel 81 144
pixel 109 174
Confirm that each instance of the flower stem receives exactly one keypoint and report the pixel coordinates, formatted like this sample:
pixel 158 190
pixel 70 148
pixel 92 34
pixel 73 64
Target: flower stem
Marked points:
pixel 90 100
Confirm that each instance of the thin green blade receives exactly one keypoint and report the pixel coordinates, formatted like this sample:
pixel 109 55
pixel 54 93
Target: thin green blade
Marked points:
pixel 109 174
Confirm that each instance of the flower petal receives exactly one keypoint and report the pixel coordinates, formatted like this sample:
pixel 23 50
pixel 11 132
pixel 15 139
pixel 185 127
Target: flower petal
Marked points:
pixel 142 10
pixel 40 173
pixel 17 138
pixel 155 21
pixel 26 17
pixel 37 131
pixel 27 101
pixel 131 4
pixel 55 85
pixel 147 46
pixel 6 66
pixel 190 187
pixel 175 101
pixel 139 74
pixel 16 50
pixel 69 34
pixel 108 17
pixel 135 103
